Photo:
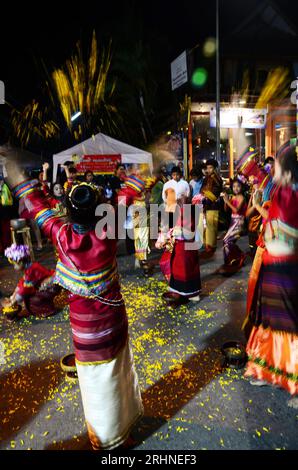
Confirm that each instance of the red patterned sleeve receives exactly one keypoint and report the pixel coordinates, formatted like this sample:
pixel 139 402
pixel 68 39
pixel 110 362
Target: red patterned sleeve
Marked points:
pixel 39 208
pixel 26 285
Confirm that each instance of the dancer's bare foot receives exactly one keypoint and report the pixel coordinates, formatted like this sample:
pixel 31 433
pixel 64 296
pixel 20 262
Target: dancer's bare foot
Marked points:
pixel 258 383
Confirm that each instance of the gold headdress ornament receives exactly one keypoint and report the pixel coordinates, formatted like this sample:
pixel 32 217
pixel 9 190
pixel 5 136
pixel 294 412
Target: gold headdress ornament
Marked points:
pixel 76 185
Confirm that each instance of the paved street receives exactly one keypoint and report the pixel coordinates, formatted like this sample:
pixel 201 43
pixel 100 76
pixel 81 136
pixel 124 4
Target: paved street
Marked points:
pixel 190 402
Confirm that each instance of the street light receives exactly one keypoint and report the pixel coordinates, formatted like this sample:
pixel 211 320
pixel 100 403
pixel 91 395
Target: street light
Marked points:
pixel 218 156
pixel 75 116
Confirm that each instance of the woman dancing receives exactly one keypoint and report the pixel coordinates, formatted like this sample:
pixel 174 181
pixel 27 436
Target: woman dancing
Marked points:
pixel 273 343
pixel 87 268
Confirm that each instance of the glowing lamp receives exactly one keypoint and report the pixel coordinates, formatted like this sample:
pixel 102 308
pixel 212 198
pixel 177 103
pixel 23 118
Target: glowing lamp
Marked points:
pixel 199 77
pixel 75 116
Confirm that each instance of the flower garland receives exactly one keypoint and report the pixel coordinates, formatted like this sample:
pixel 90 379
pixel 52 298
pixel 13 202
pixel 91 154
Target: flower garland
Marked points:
pixel 17 253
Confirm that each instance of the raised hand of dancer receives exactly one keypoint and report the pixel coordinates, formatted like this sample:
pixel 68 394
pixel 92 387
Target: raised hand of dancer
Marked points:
pixel 45 167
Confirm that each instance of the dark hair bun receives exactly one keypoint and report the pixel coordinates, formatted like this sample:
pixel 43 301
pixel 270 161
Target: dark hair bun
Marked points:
pixel 83 197
pixel 81 203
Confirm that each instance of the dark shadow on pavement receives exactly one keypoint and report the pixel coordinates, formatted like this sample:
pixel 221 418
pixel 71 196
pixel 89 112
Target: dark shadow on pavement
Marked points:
pixel 23 392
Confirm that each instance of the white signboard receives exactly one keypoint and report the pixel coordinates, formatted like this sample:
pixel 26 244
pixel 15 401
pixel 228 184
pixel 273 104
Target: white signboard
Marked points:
pixel 179 71
pixel 234 118
pixel 2 92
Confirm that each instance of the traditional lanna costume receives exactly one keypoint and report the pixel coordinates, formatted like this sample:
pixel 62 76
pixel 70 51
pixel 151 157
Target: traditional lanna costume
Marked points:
pixel 36 288
pixel 166 241
pixel 233 255
pixel 185 277
pixel 6 203
pixel 180 264
pixel 133 193
pixel 87 268
pixel 273 342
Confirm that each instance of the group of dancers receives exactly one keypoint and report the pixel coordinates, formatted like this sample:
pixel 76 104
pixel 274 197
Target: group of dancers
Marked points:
pixel 87 269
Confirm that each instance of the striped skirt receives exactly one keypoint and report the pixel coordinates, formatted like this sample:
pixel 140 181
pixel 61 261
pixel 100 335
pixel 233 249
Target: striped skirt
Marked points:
pixel 231 251
pixel 107 377
pixel 273 343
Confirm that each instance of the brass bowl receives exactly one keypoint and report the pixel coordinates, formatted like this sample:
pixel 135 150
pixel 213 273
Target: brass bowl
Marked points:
pixel 234 354
pixel 68 363
pixel 11 313
pixel 11 310
pixel 18 224
pixel 71 377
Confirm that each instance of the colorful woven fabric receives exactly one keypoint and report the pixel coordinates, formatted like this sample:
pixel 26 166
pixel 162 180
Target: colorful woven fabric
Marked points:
pixel 277 296
pixel 272 356
pixel 232 253
pixel 43 216
pixel 25 188
pixel 135 183
pixel 86 284
pixel 99 330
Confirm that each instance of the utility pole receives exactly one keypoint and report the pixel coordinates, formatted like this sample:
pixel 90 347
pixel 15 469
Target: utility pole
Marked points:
pixel 297 118
pixel 218 153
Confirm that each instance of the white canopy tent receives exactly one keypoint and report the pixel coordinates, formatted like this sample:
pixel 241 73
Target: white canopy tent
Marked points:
pixel 101 144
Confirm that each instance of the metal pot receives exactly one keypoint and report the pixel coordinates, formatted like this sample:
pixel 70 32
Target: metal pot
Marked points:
pixel 18 224
pixel 234 354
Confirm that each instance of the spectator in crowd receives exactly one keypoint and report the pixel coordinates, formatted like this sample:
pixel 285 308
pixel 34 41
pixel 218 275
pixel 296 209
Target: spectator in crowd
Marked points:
pixel 271 186
pixel 196 181
pixel 118 180
pixel 157 188
pixel 71 174
pixel 211 189
pixel 164 173
pixel 180 186
pixel 90 178
pixel 109 193
pixel 6 202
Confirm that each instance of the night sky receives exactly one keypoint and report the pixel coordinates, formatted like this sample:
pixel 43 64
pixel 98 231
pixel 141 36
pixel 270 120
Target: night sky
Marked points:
pixel 48 32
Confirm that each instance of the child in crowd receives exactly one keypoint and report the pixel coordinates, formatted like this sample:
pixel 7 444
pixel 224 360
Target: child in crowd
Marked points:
pixel 35 289
pixel 254 217
pixel 233 255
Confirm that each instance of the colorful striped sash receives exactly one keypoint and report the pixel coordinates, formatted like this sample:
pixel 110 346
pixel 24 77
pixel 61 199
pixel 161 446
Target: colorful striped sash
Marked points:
pixel 135 183
pixel 86 284
pixel 25 188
